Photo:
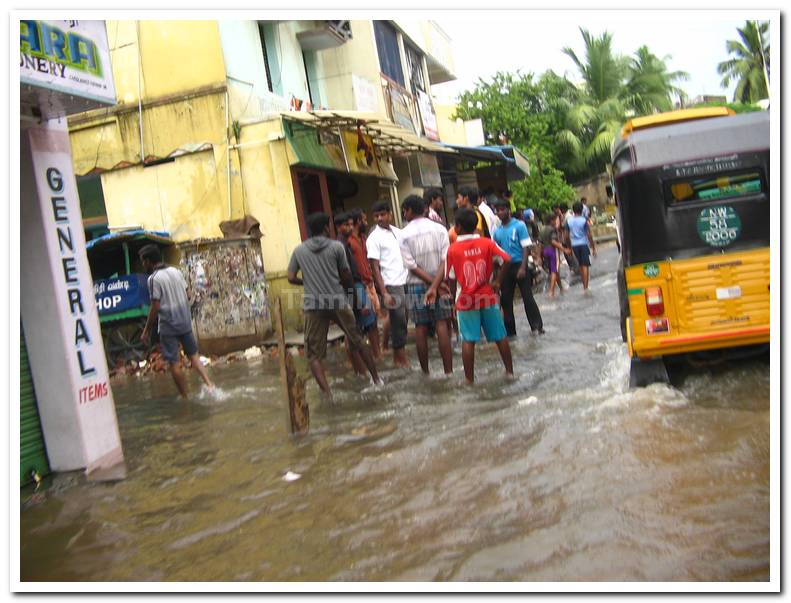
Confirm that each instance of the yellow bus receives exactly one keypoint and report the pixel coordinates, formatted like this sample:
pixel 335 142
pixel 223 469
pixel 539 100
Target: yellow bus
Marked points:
pixel 692 191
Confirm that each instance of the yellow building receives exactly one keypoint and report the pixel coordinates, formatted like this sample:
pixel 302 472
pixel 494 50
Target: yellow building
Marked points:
pixel 217 120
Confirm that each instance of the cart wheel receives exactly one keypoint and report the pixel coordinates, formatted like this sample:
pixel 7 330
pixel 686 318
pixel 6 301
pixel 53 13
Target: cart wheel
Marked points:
pixel 122 343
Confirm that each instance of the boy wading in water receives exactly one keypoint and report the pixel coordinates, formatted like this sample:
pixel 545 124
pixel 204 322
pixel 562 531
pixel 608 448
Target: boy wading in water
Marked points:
pixel 168 291
pixel 470 263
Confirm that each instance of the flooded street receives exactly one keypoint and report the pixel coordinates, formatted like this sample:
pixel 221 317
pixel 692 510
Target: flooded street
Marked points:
pixel 561 475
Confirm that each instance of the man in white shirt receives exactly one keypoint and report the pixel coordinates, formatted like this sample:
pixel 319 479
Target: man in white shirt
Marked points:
pixel 492 221
pixel 424 247
pixel 387 265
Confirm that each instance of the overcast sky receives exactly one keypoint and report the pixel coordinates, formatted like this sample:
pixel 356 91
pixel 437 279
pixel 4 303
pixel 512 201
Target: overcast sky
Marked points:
pixel 484 43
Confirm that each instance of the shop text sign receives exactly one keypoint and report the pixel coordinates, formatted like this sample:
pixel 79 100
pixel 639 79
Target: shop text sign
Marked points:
pixel 67 56
pixel 73 284
pixel 121 293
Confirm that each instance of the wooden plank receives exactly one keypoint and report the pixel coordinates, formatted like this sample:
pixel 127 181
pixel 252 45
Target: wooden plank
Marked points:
pixel 298 413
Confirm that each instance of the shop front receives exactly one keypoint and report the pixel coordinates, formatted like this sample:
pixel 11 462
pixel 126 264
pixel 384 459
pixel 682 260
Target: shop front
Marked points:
pixel 341 161
pixel 490 169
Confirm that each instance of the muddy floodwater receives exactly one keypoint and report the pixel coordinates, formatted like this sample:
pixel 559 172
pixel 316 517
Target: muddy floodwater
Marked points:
pixel 562 474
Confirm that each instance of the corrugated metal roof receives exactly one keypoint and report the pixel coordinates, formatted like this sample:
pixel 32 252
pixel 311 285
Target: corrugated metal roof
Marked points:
pixel 157 236
pixel 386 135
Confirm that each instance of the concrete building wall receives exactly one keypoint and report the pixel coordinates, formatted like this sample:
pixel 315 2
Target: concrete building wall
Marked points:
pixel 594 189
pixel 174 55
pixel 182 197
pixel 358 57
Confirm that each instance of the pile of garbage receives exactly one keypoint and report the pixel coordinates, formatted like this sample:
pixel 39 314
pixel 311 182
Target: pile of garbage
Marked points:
pixel 156 363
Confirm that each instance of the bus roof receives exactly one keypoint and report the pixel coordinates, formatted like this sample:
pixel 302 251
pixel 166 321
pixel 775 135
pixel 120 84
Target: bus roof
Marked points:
pixel 672 117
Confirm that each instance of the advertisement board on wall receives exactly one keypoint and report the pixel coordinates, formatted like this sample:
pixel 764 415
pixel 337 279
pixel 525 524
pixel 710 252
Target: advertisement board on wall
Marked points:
pixel 64 66
pixel 365 99
pixel 427 115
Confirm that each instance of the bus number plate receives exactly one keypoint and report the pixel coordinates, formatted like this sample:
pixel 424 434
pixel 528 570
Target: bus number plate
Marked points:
pixel 729 292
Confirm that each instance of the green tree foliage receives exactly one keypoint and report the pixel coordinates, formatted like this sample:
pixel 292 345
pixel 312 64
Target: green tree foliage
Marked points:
pixel 749 66
pixel 614 88
pixel 737 107
pixel 567 129
pixel 516 109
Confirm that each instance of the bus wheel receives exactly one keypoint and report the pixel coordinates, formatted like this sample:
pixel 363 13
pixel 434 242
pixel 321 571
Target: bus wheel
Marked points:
pixel 646 372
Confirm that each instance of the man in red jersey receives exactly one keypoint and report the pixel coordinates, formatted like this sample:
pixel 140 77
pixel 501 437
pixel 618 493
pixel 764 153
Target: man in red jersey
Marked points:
pixel 470 263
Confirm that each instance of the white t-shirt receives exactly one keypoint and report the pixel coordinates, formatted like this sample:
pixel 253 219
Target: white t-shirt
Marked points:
pixel 385 246
pixel 492 221
pixel 424 244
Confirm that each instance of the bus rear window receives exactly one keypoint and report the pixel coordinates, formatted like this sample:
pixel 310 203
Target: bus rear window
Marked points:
pixel 716 187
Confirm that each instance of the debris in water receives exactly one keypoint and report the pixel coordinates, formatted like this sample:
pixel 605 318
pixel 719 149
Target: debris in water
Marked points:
pixel 528 401
pixel 290 476
pixel 253 352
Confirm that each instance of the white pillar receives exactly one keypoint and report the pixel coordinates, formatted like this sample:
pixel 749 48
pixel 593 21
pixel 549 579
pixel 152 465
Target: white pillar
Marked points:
pixel 59 312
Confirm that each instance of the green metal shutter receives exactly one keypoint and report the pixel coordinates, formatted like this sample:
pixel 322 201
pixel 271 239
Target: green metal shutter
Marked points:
pixel 33 454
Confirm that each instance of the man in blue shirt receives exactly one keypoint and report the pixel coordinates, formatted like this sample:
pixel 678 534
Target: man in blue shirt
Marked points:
pixel 513 238
pixel 581 242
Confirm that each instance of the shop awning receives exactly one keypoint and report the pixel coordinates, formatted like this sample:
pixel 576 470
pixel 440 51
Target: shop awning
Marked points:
pixel 386 136
pixel 517 164
pixel 155 236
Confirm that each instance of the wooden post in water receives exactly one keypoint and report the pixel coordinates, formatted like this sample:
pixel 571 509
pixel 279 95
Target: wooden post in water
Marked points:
pixel 298 416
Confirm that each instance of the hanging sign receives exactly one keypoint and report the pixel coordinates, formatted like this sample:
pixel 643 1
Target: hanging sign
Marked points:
pixel 427 115
pixel 719 226
pixel 70 57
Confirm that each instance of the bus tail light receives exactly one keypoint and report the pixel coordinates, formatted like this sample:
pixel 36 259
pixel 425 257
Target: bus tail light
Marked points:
pixel 654 302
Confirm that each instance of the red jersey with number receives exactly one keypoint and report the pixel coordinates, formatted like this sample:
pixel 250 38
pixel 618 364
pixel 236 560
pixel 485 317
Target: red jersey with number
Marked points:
pixel 470 262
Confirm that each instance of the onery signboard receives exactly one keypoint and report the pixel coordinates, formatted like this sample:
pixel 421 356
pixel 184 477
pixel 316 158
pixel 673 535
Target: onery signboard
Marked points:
pixel 64 66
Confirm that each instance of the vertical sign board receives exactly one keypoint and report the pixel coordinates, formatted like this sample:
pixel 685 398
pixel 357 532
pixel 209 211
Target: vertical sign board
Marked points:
pixel 427 115
pixel 84 368
pixel 365 98
pixel 64 68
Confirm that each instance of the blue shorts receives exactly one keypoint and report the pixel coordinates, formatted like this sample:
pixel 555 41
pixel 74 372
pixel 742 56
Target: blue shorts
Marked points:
pixel 583 254
pixel 490 318
pixel 442 309
pixel 364 322
pixel 170 346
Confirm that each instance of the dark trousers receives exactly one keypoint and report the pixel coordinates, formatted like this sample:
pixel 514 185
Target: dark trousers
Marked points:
pixel 510 283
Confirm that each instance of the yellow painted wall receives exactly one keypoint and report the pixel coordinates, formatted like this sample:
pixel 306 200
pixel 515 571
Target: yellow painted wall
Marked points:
pixel 104 142
pixel 450 131
pixel 269 197
pixel 176 56
pixel 182 197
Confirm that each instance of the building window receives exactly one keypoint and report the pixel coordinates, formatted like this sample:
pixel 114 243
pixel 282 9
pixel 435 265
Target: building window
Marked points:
pixel 414 65
pixel 270 43
pixel 387 47
pixel 312 77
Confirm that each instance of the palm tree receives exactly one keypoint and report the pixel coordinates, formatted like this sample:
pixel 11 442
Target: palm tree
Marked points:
pixel 750 65
pixel 592 121
pixel 650 87
pixel 602 70
pixel 613 89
